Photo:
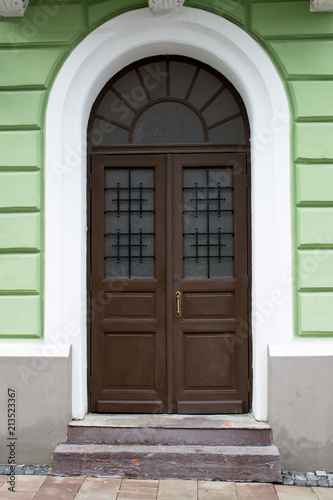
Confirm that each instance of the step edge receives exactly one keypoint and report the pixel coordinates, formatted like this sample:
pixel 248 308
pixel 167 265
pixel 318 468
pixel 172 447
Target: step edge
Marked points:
pixel 175 428
pixel 230 421
pixel 172 449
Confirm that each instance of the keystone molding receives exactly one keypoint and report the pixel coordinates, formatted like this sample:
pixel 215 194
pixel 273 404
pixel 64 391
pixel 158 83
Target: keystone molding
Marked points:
pixel 321 5
pixel 13 8
pixel 163 7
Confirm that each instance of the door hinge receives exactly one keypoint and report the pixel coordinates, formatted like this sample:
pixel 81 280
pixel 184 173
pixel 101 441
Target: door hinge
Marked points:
pixel 90 283
pixel 90 384
pixel 90 182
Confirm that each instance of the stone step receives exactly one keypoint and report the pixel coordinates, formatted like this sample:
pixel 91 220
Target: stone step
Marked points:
pixel 231 463
pixel 209 430
pixel 161 436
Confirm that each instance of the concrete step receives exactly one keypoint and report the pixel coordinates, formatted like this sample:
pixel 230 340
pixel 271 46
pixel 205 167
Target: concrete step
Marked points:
pixel 232 463
pixel 209 430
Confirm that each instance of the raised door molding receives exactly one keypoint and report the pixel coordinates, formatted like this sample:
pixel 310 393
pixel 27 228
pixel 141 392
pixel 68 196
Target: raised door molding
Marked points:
pixel 13 8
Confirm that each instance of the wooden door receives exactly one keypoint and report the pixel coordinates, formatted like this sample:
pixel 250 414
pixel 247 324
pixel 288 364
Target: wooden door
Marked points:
pixel 210 273
pixel 168 303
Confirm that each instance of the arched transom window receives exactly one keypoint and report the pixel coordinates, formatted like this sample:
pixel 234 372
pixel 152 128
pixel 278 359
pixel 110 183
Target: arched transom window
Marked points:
pixel 168 100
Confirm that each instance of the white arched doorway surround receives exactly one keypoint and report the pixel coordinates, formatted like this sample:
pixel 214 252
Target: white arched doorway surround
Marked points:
pixel 104 52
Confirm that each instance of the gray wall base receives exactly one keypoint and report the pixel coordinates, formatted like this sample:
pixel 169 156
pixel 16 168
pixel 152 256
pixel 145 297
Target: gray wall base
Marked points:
pixel 300 411
pixel 43 406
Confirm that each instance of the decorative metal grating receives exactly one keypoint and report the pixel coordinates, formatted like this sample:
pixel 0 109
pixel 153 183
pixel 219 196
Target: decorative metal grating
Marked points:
pixel 209 204
pixel 129 207
pixel 168 100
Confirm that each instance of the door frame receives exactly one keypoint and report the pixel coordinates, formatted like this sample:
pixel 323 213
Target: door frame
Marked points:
pixel 103 53
pixel 168 151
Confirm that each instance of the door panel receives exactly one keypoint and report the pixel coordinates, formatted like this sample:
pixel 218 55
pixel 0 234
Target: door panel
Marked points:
pixel 200 305
pixel 141 353
pixel 128 338
pixel 210 232
pixel 124 305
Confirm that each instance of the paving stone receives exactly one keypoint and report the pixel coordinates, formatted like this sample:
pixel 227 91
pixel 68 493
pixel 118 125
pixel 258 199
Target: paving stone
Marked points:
pixel 323 481
pixel 255 491
pixel 40 471
pixel 217 495
pixel 29 470
pixel 300 479
pixel 289 480
pixel 138 494
pixel 294 493
pixel 29 483
pixel 321 473
pixel 3 484
pixel 19 495
pixel 60 488
pixel 99 488
pixel 19 469
pixel 216 485
pixel 177 489
pixel 133 491
pixel 3 479
pixel 311 479
pixel 148 483
pixel 323 493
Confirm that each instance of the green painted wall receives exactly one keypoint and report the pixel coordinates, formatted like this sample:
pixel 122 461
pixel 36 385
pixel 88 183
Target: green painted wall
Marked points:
pixel 32 50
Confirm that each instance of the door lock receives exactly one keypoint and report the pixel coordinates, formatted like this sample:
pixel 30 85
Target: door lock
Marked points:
pixel 178 305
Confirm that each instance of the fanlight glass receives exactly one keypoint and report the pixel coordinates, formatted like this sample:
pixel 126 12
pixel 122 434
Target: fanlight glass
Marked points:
pixel 168 100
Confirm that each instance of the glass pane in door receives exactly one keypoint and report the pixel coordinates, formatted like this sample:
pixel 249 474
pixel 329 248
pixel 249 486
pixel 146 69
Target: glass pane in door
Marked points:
pixel 208 222
pixel 129 223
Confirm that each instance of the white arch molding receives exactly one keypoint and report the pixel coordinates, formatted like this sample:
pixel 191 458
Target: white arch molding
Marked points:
pixel 228 49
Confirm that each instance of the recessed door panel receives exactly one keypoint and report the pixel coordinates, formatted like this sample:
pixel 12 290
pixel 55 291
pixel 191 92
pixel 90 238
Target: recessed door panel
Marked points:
pixel 129 361
pixel 209 305
pixel 207 362
pixel 130 305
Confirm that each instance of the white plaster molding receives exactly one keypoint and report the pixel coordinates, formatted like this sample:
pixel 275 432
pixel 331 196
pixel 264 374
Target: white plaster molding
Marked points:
pixel 164 7
pixel 301 348
pixel 321 5
pixel 230 50
pixel 13 8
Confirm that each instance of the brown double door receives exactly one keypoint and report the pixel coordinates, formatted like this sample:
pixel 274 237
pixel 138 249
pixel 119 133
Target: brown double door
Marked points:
pixel 169 298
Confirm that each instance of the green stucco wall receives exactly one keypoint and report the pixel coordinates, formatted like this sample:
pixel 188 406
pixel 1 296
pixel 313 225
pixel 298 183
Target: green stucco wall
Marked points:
pixel 33 49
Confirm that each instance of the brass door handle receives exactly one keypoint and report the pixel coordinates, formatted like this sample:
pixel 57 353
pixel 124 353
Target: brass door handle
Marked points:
pixel 178 305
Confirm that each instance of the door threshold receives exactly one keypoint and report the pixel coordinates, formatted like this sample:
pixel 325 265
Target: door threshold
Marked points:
pixel 225 421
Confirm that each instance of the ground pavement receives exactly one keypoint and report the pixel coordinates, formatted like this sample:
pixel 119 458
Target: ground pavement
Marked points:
pixel 80 488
